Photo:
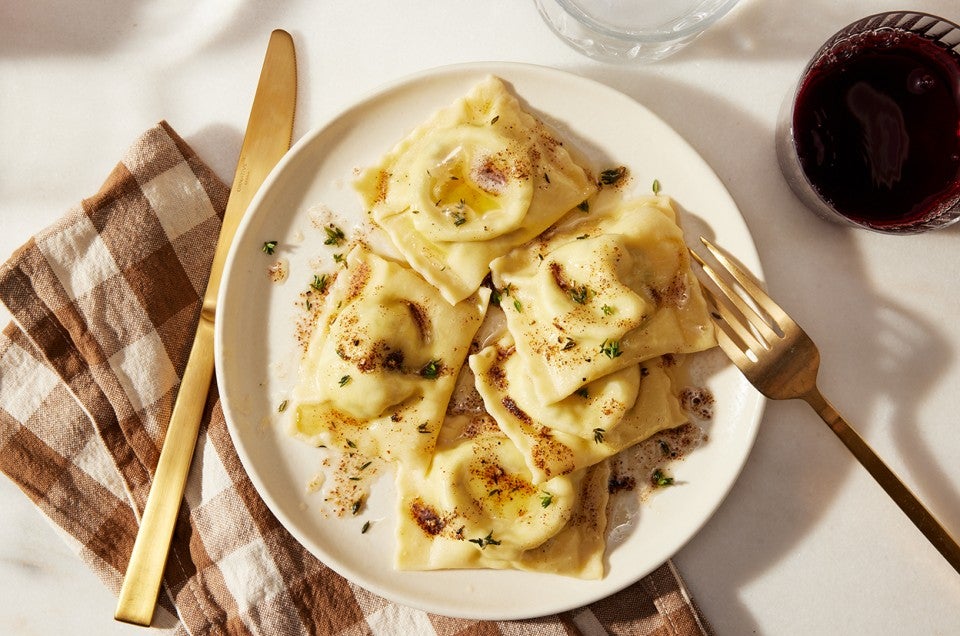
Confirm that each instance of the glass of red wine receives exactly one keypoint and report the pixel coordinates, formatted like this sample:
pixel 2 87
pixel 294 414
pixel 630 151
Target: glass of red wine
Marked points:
pixel 871 135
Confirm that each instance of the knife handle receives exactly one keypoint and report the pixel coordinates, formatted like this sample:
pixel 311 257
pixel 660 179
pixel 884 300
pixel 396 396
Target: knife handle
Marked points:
pixel 141 584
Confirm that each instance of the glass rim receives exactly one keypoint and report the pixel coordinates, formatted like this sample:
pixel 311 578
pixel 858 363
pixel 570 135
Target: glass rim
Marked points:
pixel 629 35
pixel 933 27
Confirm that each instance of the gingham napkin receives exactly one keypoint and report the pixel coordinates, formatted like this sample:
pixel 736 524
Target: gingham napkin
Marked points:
pixel 105 303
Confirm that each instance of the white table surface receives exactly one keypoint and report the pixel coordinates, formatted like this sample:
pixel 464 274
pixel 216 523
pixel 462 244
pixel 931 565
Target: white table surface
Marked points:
pixel 806 542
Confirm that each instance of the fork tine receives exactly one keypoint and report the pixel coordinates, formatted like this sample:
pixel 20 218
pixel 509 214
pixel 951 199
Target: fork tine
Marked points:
pixel 729 321
pixel 750 315
pixel 731 348
pixel 750 285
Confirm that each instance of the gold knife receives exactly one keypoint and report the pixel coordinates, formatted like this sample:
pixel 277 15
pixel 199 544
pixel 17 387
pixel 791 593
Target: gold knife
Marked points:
pixel 267 139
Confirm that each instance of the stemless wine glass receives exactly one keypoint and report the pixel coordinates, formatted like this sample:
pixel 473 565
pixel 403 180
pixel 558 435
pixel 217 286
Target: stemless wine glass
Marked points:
pixel 631 30
pixel 870 137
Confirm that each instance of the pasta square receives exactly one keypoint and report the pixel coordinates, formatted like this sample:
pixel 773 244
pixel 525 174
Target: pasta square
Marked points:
pixel 477 179
pixel 383 361
pixel 610 290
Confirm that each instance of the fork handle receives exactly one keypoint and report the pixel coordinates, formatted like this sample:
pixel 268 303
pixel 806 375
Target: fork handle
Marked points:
pixel 898 491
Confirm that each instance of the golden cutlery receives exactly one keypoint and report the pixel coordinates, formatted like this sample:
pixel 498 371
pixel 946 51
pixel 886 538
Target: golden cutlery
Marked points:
pixel 267 138
pixel 781 361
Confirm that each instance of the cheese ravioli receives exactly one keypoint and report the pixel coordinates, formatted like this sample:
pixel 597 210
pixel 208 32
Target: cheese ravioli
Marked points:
pixel 477 179
pixel 476 506
pixel 610 290
pixel 382 361
pixel 602 418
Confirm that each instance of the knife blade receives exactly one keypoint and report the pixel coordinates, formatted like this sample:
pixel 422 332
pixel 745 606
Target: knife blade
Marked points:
pixel 267 138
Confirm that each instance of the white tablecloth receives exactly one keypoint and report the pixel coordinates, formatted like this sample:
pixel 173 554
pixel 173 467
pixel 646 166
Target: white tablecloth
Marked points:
pixel 806 542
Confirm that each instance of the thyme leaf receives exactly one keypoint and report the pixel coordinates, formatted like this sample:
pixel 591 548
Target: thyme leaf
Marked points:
pixel 611 348
pixel 431 370
pixel 335 235
pixel 612 176
pixel 580 295
pixel 485 541
pixel 319 283
pixel 660 479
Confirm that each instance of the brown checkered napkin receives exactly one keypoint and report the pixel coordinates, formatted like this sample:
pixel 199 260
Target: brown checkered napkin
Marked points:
pixel 105 303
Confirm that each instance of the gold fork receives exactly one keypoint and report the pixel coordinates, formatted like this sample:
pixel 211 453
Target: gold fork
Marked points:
pixel 781 361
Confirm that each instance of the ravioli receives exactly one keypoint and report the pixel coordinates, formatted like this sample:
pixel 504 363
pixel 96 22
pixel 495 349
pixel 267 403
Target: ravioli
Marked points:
pixel 602 293
pixel 478 178
pixel 382 361
pixel 602 418
pixel 475 506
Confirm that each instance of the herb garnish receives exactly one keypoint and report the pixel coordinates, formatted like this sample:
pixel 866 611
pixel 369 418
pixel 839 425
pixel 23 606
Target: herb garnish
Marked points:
pixel 498 293
pixel 660 479
pixel 517 305
pixel 344 380
pixel 422 428
pixel 569 344
pixel 546 499
pixel 582 392
pixel 607 310
pixel 584 206
pixel 431 370
pixel 656 186
pixel 485 541
pixel 598 435
pixel 611 348
pixel 335 235
pixel 366 526
pixel 282 407
pixel 495 118
pixel 580 294
pixel 459 218
pixel 612 176
pixel 355 508
pixel 319 283
pixel 269 247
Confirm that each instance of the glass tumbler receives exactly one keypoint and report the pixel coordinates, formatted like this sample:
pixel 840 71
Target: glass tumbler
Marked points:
pixel 631 30
pixel 870 137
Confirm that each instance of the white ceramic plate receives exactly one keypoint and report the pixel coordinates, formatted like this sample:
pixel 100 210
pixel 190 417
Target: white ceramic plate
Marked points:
pixel 257 355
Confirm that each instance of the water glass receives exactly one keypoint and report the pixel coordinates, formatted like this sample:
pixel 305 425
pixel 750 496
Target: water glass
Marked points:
pixel 631 30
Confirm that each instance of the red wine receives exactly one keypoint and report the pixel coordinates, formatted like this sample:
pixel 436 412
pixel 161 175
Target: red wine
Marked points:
pixel 876 124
